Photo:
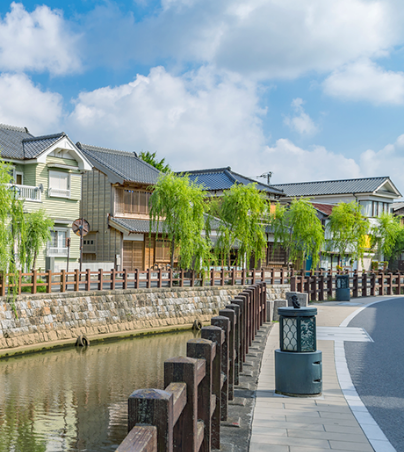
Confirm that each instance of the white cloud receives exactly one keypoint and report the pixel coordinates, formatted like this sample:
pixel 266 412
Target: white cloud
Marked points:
pixel 24 104
pixel 198 120
pixel 301 122
pixel 366 81
pixel 388 161
pixel 261 38
pixel 37 41
pixel 290 163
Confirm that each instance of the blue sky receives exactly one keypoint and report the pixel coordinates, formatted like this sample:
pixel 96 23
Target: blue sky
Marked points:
pixel 309 90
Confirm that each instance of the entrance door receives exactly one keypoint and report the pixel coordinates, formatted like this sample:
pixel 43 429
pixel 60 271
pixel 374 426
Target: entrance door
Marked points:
pixel 133 255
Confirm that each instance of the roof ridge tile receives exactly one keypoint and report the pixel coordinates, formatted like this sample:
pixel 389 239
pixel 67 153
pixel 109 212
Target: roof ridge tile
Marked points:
pixel 44 137
pixel 14 128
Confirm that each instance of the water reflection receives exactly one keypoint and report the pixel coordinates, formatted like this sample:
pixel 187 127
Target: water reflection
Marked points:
pixel 76 399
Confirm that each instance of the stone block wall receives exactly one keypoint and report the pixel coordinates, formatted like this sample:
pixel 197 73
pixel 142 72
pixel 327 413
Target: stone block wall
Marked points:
pixel 53 317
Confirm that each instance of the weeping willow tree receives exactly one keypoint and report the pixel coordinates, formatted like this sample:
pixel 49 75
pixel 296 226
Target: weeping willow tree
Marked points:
pixel 177 204
pixel 241 211
pixel 387 236
pixel 38 233
pixel 348 229
pixel 298 231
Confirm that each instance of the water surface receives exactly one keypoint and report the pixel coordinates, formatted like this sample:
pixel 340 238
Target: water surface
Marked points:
pixel 76 399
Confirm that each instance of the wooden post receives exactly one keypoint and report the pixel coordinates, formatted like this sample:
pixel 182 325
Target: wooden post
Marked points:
pixel 88 279
pixel 355 284
pixel 243 276
pixel 204 349
pixel 170 277
pixel 182 278
pixel 141 438
pixel 381 284
pixel 124 279
pixel 398 283
pixel 63 281
pixel 33 281
pixel 233 276
pixel 101 279
pixel 239 301
pixel 136 276
pixel 313 286
pixel 192 278
pixel 321 286
pixel 216 335
pixel 3 279
pixel 191 372
pixel 364 291
pixel 262 274
pixel 329 284
pixel 212 277
pixel 253 276
pixel 48 278
pixel 282 272
pixel 389 283
pixel 372 284
pixel 148 280
pixel 76 280
pixel 224 324
pixel 222 277
pixel 153 407
pixel 237 341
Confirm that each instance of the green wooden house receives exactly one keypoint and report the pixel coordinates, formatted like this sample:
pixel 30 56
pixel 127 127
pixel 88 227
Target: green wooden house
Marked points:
pixel 47 171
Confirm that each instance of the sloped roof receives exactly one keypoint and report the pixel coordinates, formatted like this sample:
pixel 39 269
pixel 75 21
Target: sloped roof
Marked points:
pixel 17 143
pixel 334 187
pixel 127 166
pixel 326 209
pixel 224 178
pixel 134 225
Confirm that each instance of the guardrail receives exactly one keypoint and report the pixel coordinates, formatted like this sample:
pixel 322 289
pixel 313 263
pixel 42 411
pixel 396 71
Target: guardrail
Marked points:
pixel 186 415
pixel 51 282
pixel 321 285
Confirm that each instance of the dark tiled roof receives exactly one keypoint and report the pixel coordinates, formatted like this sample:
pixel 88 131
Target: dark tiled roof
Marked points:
pixel 333 187
pixel 126 165
pixel 224 178
pixel 326 209
pixel 17 143
pixel 134 225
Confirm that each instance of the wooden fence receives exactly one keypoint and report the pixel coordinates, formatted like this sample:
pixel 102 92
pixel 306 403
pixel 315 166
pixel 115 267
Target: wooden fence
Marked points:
pixel 322 285
pixel 51 282
pixel 186 415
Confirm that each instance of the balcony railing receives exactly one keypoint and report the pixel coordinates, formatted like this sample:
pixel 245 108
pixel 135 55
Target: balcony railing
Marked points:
pixel 27 192
pixel 54 251
pixel 58 193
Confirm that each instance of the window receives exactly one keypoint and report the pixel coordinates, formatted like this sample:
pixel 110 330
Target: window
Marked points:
pixel 132 201
pixel 59 184
pixel 57 245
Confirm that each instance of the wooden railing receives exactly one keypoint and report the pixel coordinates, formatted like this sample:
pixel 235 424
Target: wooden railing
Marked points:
pixel 51 282
pixel 321 285
pixel 186 415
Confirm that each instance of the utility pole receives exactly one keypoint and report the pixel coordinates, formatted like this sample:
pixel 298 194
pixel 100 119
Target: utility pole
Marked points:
pixel 268 176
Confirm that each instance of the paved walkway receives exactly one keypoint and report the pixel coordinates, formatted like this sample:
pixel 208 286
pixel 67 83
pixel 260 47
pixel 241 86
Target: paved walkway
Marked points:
pixel 289 424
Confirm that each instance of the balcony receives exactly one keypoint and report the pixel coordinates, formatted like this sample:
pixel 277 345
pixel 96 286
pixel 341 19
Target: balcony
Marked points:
pixel 57 251
pixel 27 192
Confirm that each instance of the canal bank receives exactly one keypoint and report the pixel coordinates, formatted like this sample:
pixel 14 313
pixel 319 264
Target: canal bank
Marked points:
pixel 46 321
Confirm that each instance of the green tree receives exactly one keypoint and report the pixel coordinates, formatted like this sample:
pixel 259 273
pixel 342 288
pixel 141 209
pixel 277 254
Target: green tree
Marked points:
pixel 177 204
pixel 348 229
pixel 151 159
pixel 241 211
pixel 387 236
pixel 298 230
pixel 38 232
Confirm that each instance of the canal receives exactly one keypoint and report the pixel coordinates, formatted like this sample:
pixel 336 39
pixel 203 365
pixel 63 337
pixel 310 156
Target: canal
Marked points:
pixel 76 399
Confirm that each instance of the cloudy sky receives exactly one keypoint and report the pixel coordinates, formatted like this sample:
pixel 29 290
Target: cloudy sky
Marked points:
pixel 307 89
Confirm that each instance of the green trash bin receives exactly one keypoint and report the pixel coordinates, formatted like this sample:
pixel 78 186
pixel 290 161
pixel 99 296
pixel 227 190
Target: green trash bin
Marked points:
pixel 343 292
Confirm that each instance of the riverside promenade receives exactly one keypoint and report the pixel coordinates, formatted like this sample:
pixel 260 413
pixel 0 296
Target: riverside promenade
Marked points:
pixel 335 421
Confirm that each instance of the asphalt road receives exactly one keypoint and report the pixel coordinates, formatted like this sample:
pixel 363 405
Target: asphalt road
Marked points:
pixel 377 369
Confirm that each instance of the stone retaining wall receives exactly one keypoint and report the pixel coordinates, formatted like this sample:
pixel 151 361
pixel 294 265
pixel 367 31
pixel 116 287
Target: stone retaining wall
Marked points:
pixel 52 317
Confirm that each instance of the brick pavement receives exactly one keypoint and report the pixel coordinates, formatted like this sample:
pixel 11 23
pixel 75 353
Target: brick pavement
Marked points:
pixel 289 424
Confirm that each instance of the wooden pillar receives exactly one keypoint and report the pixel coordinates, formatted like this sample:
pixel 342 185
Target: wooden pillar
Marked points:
pixel 33 281
pixel 49 280
pixel 230 314
pixel 76 280
pixel 101 279
pixel 224 324
pixel 189 371
pixel 364 291
pixel 212 277
pixel 206 350
pixel 216 335
pixel 63 282
pixel 124 279
pixel 153 407
pixel 88 279
pixel 237 341
pixel 329 284
pixel 372 284
pixel 355 284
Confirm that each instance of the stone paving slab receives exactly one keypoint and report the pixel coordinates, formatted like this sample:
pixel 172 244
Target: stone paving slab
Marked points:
pixel 324 423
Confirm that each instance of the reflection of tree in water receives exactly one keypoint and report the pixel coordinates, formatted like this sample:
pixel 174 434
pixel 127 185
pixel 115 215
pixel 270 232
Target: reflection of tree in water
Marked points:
pixel 76 399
